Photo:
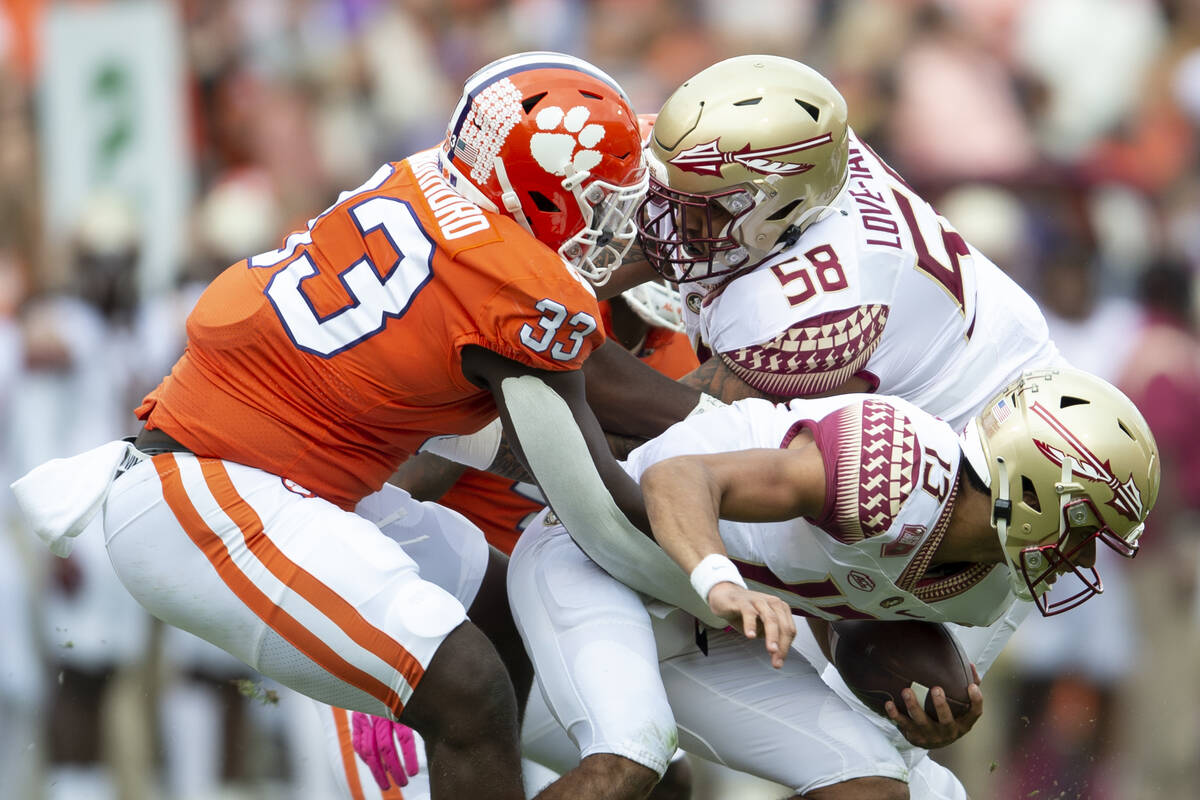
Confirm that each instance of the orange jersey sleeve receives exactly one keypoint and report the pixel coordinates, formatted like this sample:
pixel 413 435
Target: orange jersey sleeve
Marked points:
pixel 332 359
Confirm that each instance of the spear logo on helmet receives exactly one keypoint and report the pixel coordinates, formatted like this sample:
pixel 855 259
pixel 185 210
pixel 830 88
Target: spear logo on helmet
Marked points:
pixel 708 159
pixel 1126 499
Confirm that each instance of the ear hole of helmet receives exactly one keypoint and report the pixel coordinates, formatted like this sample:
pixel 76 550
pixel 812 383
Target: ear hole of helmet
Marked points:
pixel 783 212
pixel 544 203
pixel 529 103
pixel 1029 495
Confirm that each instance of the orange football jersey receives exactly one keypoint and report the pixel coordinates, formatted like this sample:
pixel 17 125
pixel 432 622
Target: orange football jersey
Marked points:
pixel 502 507
pixel 331 360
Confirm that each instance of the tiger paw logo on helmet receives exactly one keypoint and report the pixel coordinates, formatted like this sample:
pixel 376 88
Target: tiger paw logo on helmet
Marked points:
pixel 560 134
pixel 551 141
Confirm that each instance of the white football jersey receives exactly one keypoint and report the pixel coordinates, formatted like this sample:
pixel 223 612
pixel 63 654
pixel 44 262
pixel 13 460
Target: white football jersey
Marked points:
pixel 884 289
pixel 891 474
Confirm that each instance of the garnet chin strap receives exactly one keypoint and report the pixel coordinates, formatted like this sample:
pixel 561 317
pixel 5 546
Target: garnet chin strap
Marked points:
pixel 562 465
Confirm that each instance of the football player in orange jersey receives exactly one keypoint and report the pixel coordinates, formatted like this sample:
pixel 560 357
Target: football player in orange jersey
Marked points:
pixel 647 320
pixel 450 287
pixel 642 322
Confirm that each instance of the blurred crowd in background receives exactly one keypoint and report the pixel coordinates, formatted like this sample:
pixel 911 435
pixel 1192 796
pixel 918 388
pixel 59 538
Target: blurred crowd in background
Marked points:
pixel 145 146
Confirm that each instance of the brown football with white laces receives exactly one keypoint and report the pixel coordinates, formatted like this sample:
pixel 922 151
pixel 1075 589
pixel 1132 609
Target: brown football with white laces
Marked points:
pixel 877 659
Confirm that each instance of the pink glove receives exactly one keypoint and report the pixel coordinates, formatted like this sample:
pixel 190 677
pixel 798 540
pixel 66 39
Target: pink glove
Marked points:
pixel 373 741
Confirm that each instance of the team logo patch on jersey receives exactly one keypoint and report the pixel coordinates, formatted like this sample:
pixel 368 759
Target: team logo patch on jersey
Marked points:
pixel 564 140
pixel 296 488
pixel 709 158
pixel 694 300
pixel 860 580
pixel 910 536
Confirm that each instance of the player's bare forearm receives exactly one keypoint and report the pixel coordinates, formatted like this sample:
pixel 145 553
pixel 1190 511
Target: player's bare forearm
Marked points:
pixel 683 502
pixel 630 397
pixel 427 476
pixel 714 377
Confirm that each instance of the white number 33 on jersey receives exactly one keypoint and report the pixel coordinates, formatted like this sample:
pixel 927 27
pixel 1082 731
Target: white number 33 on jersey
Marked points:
pixel 554 314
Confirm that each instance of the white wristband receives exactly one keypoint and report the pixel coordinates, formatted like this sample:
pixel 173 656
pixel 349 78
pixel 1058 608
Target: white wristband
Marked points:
pixel 714 569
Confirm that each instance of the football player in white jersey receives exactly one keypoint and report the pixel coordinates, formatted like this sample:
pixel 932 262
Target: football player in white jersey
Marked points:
pixel 847 507
pixel 808 267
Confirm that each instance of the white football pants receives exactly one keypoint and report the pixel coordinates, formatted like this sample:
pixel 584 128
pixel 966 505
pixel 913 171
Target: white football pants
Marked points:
pixel 626 681
pixel 306 593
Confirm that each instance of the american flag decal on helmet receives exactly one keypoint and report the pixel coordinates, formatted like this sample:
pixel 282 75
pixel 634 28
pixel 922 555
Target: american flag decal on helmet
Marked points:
pixel 708 158
pixel 1126 499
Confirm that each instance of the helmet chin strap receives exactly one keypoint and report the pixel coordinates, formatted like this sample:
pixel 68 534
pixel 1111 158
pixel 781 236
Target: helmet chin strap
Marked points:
pixel 1001 516
pixel 796 227
pixel 508 196
pixel 793 232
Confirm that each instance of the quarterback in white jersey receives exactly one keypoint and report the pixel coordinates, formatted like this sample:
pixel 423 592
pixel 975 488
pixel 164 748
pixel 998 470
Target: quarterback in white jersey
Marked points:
pixel 850 507
pixel 890 486
pixel 808 267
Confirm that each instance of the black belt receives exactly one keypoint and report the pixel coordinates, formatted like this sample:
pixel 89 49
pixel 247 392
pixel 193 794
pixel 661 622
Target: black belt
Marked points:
pixel 153 442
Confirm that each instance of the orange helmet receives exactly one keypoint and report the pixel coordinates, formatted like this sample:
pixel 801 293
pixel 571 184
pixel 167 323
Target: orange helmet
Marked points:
pixel 551 141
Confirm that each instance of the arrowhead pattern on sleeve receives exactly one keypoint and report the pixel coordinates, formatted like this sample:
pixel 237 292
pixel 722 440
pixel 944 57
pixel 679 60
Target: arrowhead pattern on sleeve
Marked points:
pixel 812 356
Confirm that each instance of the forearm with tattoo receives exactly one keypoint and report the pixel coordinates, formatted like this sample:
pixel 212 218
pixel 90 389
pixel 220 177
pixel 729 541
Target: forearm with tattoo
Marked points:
pixel 507 464
pixel 714 377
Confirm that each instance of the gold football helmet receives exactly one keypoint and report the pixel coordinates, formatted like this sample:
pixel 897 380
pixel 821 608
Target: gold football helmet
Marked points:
pixel 743 156
pixel 1070 461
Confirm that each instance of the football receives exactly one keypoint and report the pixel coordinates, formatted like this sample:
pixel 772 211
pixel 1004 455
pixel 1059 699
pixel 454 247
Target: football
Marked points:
pixel 877 659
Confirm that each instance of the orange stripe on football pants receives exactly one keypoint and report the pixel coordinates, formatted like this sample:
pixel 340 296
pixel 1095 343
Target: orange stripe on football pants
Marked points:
pixel 324 599
pixel 240 584
pixel 341 721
